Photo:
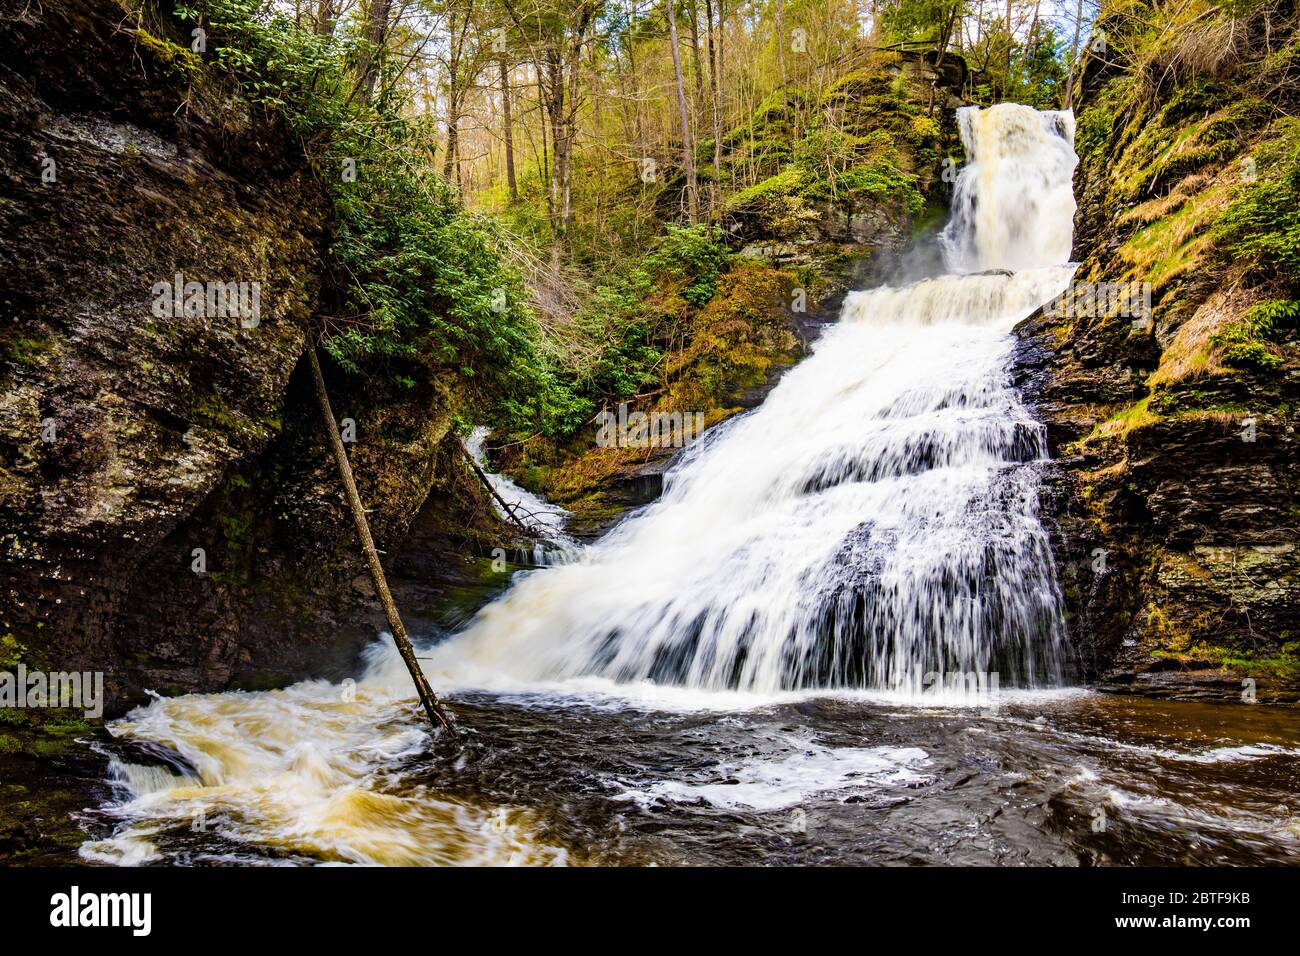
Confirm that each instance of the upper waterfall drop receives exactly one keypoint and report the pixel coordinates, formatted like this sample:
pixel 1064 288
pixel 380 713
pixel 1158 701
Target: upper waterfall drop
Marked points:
pixel 873 524
pixel 1013 203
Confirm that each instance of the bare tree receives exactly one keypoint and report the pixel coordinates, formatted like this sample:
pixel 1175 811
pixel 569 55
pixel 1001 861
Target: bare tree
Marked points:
pixel 507 129
pixel 688 147
pixel 556 37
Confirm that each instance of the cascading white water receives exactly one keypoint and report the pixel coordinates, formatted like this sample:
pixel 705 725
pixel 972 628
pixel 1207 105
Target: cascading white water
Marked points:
pixel 547 519
pixel 1013 205
pixel 872 524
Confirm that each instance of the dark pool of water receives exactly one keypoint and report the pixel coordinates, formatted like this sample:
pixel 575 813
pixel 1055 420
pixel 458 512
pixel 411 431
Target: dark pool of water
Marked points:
pixel 1079 780
pixel 1070 779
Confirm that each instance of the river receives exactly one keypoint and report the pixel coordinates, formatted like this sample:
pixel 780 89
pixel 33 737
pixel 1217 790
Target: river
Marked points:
pixel 836 638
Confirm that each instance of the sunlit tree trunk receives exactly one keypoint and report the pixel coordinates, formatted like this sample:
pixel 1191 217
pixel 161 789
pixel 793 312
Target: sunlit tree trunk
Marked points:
pixel 508 129
pixel 688 149
pixel 376 33
pixel 327 15
pixel 693 11
pixel 451 158
pixel 1006 85
pixel 780 45
pixel 632 79
pixel 714 93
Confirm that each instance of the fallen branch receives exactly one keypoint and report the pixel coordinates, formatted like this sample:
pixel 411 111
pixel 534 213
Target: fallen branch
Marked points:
pixel 431 706
pixel 510 512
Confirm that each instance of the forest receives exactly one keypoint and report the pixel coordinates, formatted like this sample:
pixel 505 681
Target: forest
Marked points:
pixel 520 190
pixel 765 433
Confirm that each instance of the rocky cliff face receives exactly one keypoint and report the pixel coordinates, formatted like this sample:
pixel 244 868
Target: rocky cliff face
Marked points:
pixel 167 512
pixel 1174 488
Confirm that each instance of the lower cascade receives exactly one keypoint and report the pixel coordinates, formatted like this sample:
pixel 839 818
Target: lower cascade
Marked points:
pixel 874 523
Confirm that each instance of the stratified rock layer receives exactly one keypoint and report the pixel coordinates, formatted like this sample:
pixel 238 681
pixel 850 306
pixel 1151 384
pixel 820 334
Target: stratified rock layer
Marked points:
pixel 1174 487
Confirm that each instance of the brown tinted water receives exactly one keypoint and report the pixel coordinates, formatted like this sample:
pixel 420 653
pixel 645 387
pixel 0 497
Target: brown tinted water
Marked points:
pixel 1059 778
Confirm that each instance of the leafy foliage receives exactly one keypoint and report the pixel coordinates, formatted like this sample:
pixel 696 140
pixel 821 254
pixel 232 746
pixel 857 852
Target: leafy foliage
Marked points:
pixel 1274 318
pixel 1245 343
pixel 1039 75
pixel 694 253
pixel 1262 225
pixel 416 277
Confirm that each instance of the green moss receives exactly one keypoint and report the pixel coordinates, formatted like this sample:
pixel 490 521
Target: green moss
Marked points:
pixel 208 410
pixel 785 183
pixel 1096 123
pixel 181 62
pixel 882 181
pixel 12 651
pixel 595 508
pixel 19 348
pixel 1283 666
pixel 1137 415
pixel 924 127
pixel 1173 244
pixel 43 732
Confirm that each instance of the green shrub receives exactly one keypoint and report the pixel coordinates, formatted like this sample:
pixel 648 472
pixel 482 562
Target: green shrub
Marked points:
pixel 1273 318
pixel 1242 347
pixel 695 253
pixel 1251 355
pixel 1261 227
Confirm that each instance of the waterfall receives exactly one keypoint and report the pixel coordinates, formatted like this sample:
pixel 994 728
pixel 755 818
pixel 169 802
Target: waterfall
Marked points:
pixel 555 545
pixel 1013 204
pixel 874 523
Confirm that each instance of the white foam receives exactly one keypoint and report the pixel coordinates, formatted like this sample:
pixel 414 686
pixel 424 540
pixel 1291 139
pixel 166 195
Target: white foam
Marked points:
pixel 782 782
pixel 1233 754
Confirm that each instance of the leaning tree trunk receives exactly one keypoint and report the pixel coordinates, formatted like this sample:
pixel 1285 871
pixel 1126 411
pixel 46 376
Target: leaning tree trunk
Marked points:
pixel 431 706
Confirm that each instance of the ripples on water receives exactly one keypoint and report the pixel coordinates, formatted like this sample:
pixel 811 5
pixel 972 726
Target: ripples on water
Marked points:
pixel 554 778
